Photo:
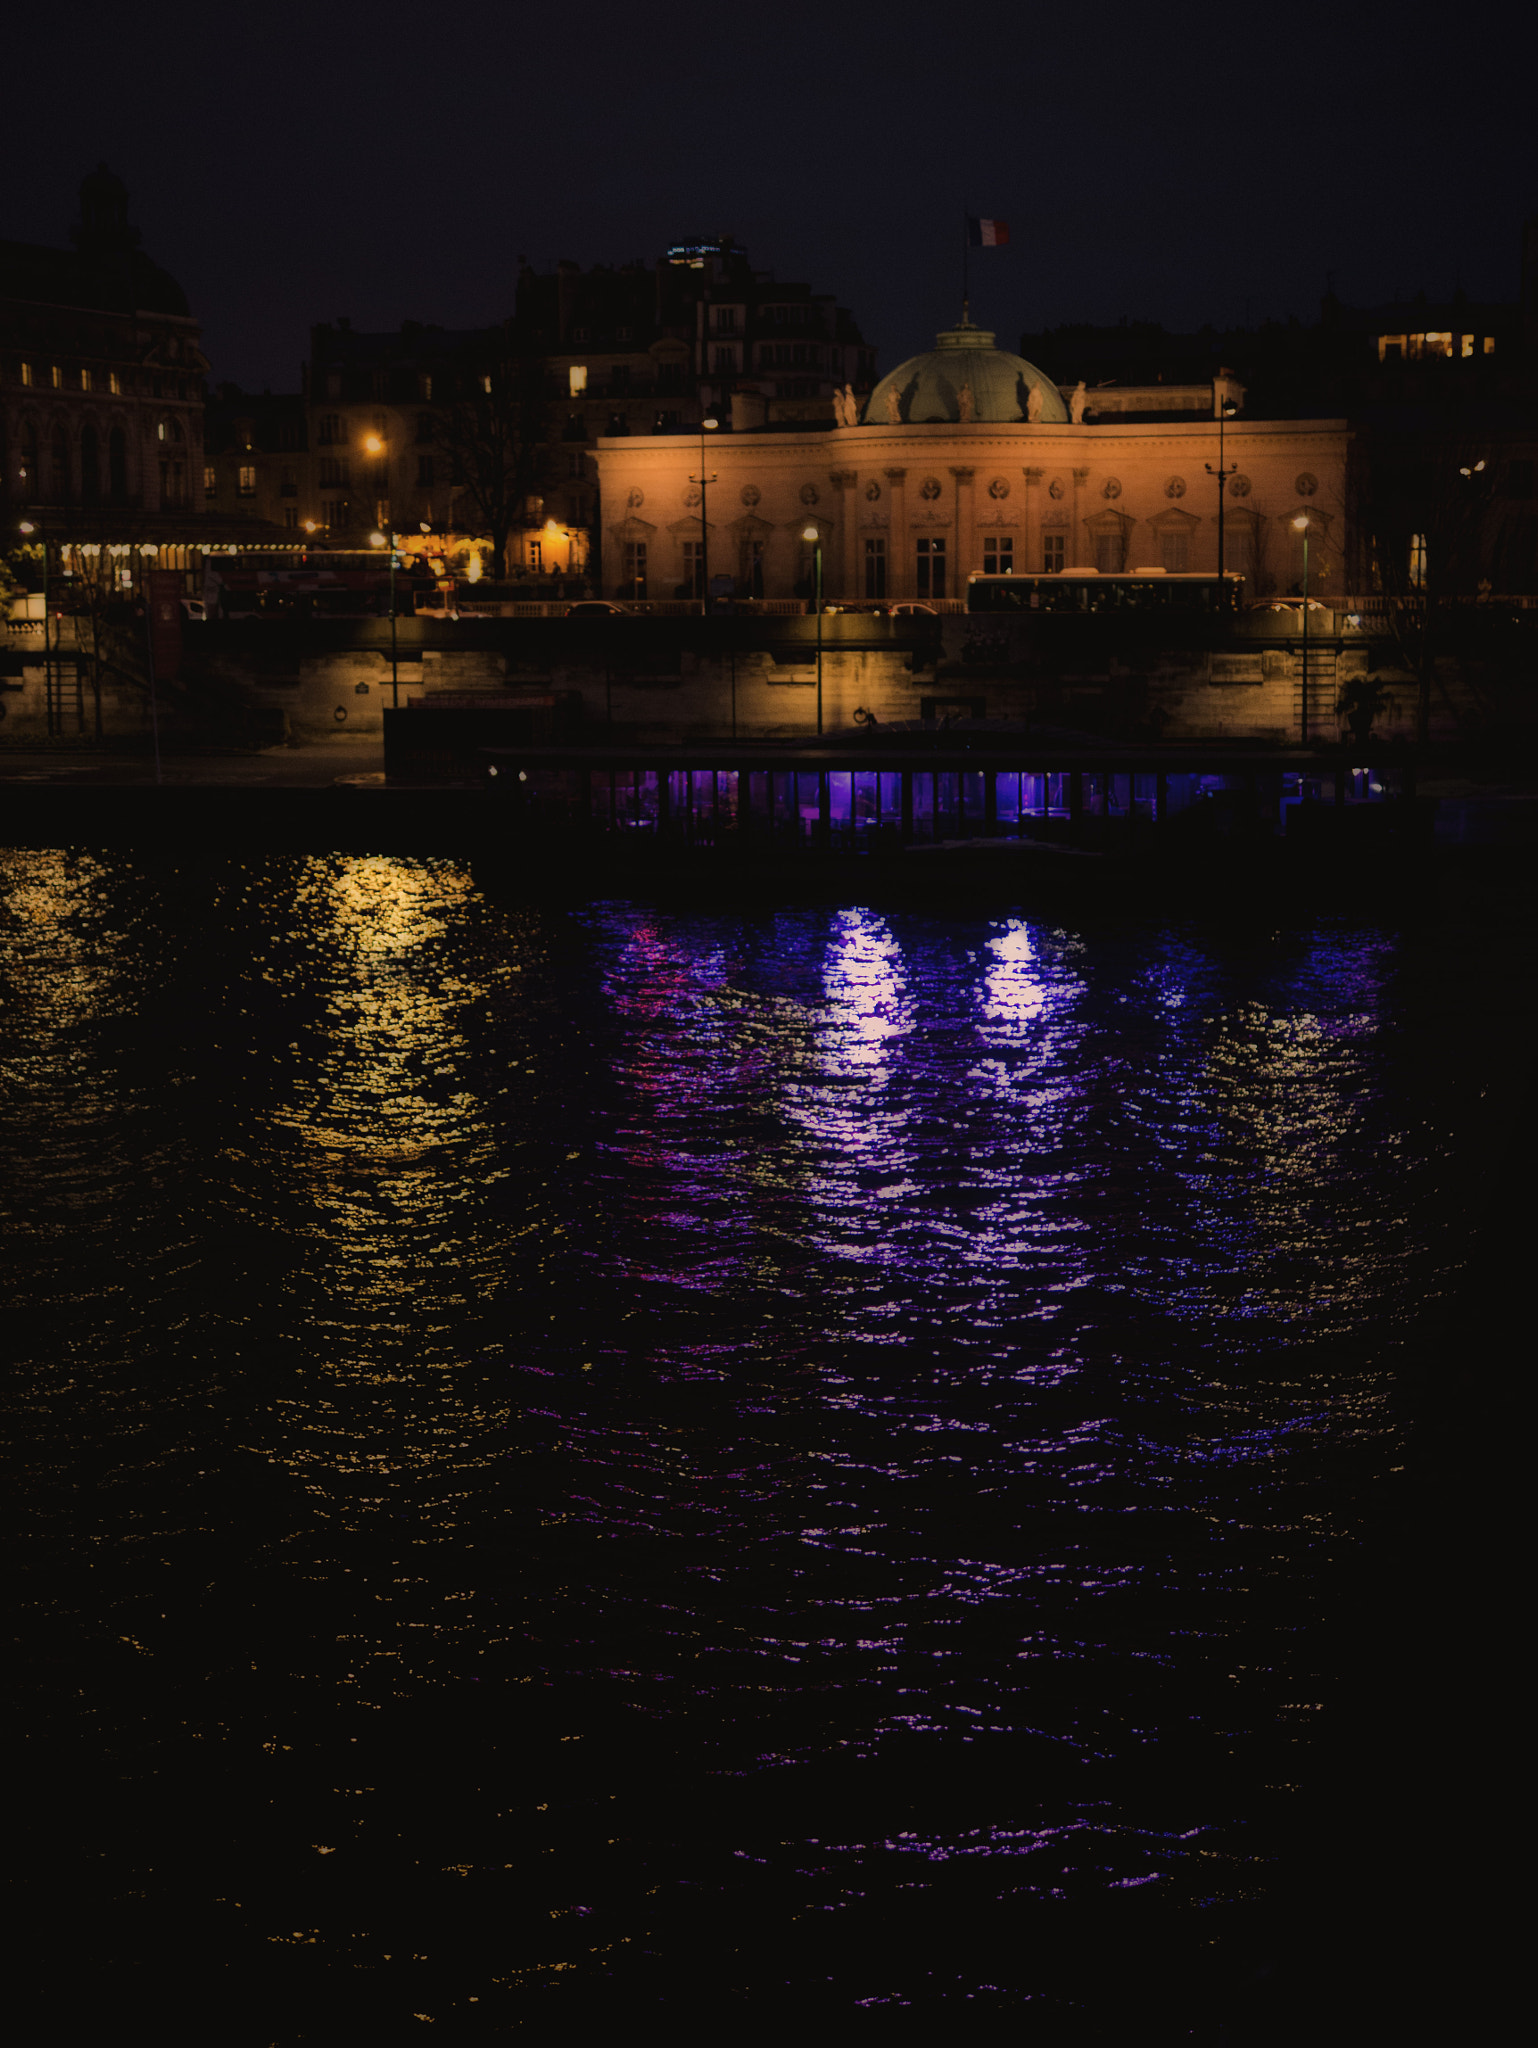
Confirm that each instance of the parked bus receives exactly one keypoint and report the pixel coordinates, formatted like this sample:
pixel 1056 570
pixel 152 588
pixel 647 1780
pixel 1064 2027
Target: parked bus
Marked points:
pixel 1085 590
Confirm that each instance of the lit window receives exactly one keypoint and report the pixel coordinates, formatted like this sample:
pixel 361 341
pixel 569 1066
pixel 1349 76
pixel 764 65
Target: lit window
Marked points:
pixel 58 378
pixel 999 554
pixel 536 555
pixel 1489 345
pixel 425 387
pixel 26 373
pixel 161 430
pixel 1435 344
pixel 486 385
pixel 1417 561
pixel 87 383
pixel 210 480
pixel 1466 344
pixel 248 479
pixel 1390 347
pixel 576 376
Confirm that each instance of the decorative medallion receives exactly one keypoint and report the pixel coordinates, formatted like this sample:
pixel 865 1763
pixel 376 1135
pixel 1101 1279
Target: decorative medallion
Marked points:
pixel 999 488
pixel 1055 488
pixel 1239 487
pixel 809 494
pixel 1306 485
pixel 750 494
pixel 1111 487
pixel 930 488
pixel 1175 487
pixel 692 495
pixel 636 500
pixel 873 490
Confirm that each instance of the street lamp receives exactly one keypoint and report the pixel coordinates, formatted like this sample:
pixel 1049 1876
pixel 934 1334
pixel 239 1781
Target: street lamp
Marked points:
pixel 813 534
pixel 1225 413
pixel 28 527
pixel 707 425
pixel 377 540
pixel 1301 523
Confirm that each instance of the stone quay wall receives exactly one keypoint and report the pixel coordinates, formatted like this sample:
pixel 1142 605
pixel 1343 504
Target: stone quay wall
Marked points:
pixel 651 681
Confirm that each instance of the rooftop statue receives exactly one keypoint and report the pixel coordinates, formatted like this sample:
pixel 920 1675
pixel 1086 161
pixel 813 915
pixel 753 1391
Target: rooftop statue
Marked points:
pixel 894 405
pixel 964 404
pixel 1033 404
pixel 1076 404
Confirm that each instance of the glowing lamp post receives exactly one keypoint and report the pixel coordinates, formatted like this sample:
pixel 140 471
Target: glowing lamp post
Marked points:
pixel 378 540
pixel 812 534
pixel 707 425
pixel 1302 524
pixel 28 527
pixel 1225 413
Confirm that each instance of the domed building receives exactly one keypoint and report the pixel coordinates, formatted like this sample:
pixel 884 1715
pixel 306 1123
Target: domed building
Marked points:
pixel 968 460
pixel 964 380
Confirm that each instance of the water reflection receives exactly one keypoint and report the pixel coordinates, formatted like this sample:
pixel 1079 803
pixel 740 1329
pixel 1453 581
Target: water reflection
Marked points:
pixel 781 1408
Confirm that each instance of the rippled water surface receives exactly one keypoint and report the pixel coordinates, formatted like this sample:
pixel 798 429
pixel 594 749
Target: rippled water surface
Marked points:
pixel 632 1448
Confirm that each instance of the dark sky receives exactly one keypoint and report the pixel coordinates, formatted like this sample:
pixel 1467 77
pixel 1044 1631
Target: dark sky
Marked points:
pixel 290 163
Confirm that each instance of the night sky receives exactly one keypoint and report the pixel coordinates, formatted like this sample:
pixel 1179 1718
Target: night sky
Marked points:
pixel 292 163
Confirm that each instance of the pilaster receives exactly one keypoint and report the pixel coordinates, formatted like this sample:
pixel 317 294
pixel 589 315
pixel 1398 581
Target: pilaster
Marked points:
pixel 844 481
pixel 1031 542
pixel 1076 546
pixel 899 547
pixel 965 528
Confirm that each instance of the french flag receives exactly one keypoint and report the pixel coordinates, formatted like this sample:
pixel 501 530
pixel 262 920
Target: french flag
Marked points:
pixel 986 234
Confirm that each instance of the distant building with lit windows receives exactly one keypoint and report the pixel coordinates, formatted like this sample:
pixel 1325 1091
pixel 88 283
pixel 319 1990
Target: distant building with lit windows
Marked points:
pixel 101 371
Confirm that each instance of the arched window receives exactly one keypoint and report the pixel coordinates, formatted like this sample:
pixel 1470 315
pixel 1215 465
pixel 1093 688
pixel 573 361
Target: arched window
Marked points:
pixel 90 466
pixel 117 466
pixel 58 480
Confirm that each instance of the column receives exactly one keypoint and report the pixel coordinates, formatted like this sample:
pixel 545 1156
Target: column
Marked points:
pixel 899 542
pixel 961 498
pixel 1030 562
pixel 847 583
pixel 1076 545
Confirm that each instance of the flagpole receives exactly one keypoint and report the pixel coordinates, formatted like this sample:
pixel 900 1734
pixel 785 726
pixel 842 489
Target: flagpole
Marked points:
pixel 966 248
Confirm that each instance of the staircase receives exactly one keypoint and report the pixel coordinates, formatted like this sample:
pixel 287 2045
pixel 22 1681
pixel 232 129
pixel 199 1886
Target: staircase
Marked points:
pixel 1323 689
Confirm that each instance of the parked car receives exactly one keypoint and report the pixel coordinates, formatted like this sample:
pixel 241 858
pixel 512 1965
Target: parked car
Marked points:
pixel 908 607
pixel 596 608
pixel 194 607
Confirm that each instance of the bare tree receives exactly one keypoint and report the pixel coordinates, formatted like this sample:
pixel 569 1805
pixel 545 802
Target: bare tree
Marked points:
pixel 1423 515
pixel 492 431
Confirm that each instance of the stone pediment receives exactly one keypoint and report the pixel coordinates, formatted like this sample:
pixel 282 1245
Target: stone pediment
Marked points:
pixel 1173 519
pixel 688 527
pixel 751 527
pixel 632 529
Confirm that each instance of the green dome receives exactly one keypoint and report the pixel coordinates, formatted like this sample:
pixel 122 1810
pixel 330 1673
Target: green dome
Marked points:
pixel 928 388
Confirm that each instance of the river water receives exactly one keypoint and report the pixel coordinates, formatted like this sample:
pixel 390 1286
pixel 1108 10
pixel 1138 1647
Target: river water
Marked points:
pixel 687 1460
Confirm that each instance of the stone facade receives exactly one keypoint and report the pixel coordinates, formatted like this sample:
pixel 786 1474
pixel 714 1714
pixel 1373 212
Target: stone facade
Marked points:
pixel 1025 496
